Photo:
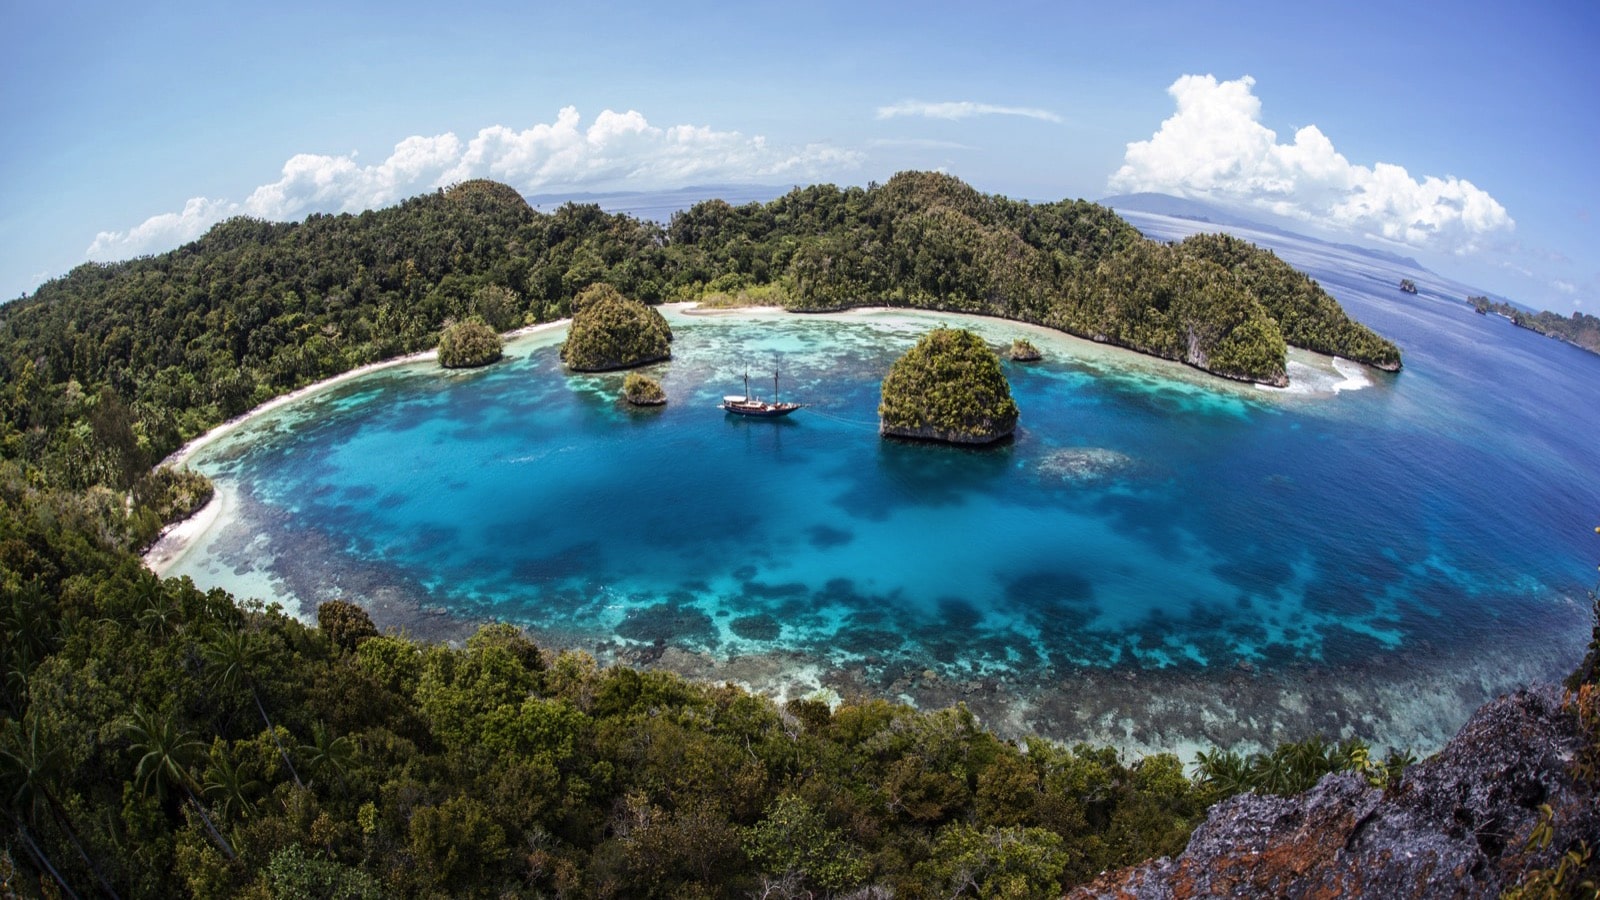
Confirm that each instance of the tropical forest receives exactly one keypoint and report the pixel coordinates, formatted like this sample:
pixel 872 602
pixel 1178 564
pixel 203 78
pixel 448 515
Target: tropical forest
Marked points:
pixel 158 740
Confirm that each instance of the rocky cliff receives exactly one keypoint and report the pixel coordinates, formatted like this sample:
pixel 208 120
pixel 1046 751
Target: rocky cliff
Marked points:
pixel 1457 825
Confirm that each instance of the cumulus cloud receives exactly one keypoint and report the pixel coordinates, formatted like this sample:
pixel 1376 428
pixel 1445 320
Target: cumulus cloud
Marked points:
pixel 162 231
pixel 615 150
pixel 1215 147
pixel 961 109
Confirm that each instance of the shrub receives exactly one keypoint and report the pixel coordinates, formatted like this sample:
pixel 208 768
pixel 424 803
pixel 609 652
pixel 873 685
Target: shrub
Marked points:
pixel 467 344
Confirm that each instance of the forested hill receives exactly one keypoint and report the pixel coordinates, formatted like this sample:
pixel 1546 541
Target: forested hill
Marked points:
pixel 161 741
pixel 189 338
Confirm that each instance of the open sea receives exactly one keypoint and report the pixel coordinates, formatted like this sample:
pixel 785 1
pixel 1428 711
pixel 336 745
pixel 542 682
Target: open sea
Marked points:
pixel 1160 560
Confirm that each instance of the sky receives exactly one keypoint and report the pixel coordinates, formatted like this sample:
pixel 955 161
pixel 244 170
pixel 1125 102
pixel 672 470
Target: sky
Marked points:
pixel 1465 134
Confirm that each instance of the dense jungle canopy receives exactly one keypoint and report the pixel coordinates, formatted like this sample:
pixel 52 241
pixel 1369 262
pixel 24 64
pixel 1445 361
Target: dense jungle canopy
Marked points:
pixel 158 741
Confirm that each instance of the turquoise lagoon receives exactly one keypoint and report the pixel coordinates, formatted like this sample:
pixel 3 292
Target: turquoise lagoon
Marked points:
pixel 1160 559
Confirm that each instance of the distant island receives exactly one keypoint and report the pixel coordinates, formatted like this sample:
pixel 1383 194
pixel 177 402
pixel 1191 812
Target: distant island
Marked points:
pixel 1576 329
pixel 1580 329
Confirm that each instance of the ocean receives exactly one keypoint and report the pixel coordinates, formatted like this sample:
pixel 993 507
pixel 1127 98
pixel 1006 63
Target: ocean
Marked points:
pixel 1160 560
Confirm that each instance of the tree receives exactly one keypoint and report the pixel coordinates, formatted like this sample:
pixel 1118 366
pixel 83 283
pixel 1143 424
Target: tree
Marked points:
pixel 995 862
pixel 232 653
pixel 498 306
pixel 792 838
pixel 228 785
pixel 30 768
pixel 292 875
pixel 326 754
pixel 166 754
pixel 345 623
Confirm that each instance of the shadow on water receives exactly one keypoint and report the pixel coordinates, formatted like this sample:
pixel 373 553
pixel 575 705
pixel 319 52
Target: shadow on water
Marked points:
pixel 920 474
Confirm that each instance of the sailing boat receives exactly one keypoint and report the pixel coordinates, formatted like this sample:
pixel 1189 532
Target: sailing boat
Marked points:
pixel 755 406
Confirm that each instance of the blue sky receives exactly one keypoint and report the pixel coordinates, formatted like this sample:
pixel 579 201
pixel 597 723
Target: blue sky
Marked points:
pixel 1464 134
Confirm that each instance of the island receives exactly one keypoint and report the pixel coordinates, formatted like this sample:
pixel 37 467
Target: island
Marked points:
pixel 468 344
pixel 642 390
pixel 160 740
pixel 948 388
pixel 1580 329
pixel 610 331
pixel 1305 314
pixel 1023 350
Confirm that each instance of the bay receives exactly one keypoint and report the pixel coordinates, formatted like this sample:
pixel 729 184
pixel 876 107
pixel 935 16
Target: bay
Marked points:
pixel 1159 560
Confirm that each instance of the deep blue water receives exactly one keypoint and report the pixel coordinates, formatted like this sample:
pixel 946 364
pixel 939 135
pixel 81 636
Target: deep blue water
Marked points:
pixel 1230 563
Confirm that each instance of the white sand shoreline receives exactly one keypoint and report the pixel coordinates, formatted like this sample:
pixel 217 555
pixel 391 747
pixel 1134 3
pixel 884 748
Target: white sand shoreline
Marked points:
pixel 183 454
pixel 179 537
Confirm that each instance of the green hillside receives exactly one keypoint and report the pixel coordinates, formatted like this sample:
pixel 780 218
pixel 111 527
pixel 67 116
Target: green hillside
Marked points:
pixel 161 741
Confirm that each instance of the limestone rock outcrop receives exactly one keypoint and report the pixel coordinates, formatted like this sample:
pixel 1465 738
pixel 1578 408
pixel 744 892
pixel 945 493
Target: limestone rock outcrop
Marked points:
pixel 1458 825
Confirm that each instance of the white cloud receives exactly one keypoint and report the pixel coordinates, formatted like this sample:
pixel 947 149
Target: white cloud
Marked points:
pixel 918 144
pixel 160 232
pixel 1215 147
pixel 616 150
pixel 961 109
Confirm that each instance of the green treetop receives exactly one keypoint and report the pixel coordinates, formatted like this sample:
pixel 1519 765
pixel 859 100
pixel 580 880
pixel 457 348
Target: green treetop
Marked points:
pixel 609 331
pixel 468 344
pixel 949 387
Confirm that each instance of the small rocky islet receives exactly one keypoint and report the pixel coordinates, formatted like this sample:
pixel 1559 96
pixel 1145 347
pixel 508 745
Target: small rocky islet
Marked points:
pixel 948 388
pixel 610 332
pixel 642 390
pixel 469 344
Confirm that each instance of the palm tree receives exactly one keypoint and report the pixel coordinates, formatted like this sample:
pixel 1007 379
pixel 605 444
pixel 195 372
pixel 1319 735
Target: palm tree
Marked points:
pixel 29 630
pixel 153 611
pixel 232 653
pixel 165 756
pixel 228 785
pixel 326 753
pixel 27 766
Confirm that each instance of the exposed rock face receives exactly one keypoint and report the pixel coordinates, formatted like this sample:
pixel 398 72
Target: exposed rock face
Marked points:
pixel 1457 826
pixel 1023 350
